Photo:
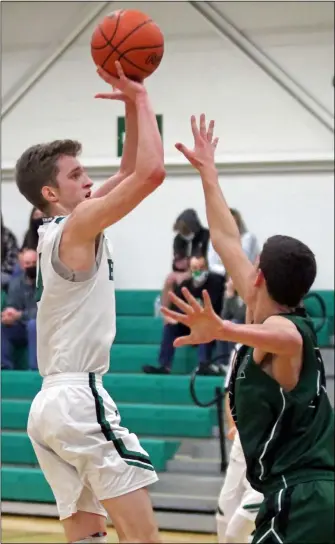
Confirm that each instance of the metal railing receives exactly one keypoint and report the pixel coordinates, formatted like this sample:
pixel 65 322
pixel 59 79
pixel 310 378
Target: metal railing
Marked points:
pixel 218 401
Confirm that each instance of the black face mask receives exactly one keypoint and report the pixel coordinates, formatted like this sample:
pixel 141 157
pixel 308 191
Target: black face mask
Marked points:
pixel 31 272
pixel 36 223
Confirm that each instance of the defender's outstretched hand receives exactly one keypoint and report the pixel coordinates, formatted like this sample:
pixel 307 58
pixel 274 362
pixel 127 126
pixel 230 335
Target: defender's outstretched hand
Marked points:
pixel 204 145
pixel 123 88
pixel 203 322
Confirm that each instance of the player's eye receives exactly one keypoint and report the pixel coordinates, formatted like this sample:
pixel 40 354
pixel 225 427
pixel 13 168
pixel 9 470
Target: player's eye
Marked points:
pixel 77 174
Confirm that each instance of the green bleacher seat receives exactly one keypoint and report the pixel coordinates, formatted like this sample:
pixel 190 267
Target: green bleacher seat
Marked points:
pixel 16 449
pixel 142 419
pixel 24 484
pixel 130 358
pixel 124 388
pixel 138 330
pixel 130 303
pixel 3 299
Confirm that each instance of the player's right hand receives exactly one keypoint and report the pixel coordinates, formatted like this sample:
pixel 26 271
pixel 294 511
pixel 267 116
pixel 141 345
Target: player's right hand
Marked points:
pixel 123 87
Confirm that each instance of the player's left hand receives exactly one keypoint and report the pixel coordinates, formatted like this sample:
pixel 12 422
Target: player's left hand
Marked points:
pixel 203 152
pixel 204 323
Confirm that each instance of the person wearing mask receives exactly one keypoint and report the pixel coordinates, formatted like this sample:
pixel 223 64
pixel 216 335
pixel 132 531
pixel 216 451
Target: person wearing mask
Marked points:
pixel 201 278
pixel 18 319
pixel 30 240
pixel 249 245
pixel 191 239
pixel 9 255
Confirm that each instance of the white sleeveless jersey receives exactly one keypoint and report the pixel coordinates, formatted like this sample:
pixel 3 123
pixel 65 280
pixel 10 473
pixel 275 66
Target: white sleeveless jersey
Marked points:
pixel 76 310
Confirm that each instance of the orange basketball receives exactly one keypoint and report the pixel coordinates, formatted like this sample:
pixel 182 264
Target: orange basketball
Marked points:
pixel 130 37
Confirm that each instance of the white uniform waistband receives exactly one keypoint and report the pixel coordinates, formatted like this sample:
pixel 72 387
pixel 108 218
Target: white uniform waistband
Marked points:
pixel 72 378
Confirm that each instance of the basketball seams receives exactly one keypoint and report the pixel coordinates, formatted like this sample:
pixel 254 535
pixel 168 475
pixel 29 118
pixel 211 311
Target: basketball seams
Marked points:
pixel 122 55
pixel 115 48
pixel 108 41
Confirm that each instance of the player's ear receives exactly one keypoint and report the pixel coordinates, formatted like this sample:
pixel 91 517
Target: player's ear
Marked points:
pixel 259 279
pixel 49 194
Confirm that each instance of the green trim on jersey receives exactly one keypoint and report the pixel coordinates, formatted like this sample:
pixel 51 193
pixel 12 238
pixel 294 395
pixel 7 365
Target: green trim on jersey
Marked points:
pixel 59 219
pixel 39 283
pixel 133 458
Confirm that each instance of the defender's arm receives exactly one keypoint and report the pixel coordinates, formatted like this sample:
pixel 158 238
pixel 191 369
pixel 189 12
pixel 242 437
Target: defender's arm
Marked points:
pixel 225 236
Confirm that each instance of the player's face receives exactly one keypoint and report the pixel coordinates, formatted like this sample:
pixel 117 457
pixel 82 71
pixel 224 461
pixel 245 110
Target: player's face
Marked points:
pixel 74 185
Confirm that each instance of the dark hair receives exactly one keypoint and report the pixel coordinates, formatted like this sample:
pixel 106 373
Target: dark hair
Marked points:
pixel 38 167
pixel 30 240
pixel 289 269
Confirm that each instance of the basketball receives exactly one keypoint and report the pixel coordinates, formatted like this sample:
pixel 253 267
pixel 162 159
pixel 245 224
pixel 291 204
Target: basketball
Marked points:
pixel 130 37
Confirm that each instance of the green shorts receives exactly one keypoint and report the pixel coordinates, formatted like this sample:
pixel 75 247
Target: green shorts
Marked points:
pixel 300 514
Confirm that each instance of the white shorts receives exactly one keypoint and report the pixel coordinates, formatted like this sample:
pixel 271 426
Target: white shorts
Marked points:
pixel 237 495
pixel 84 453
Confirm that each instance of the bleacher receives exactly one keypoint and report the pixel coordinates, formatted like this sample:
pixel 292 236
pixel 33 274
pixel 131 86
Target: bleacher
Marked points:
pixel 158 408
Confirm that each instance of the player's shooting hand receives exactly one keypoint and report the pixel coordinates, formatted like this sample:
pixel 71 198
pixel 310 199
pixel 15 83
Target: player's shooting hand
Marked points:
pixel 203 322
pixel 124 89
pixel 202 154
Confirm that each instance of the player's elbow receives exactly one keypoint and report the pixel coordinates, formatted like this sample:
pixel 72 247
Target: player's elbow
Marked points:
pixel 156 176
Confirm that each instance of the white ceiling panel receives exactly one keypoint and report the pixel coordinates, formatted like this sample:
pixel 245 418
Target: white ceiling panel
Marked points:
pixel 262 17
pixel 38 24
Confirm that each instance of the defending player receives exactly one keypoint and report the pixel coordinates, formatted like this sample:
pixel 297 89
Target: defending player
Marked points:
pixel 278 395
pixel 238 503
pixel 91 462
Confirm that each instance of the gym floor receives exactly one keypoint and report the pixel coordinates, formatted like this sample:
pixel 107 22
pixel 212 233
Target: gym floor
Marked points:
pixel 19 530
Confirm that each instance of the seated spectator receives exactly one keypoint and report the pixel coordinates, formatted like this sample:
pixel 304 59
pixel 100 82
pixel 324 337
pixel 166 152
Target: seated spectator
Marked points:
pixel 30 240
pixel 191 239
pixel 200 279
pixel 234 310
pixel 9 255
pixel 248 241
pixel 18 319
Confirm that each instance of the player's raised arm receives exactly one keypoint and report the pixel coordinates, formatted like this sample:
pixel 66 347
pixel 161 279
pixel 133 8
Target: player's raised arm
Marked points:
pixel 224 233
pixel 128 159
pixel 94 215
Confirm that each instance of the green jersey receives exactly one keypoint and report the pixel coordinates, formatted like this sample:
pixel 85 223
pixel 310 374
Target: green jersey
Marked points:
pixel 287 437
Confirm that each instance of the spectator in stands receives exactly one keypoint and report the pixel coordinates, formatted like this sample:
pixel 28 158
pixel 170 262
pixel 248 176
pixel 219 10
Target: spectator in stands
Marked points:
pixel 249 245
pixel 9 255
pixel 234 310
pixel 201 278
pixel 30 240
pixel 18 319
pixel 191 239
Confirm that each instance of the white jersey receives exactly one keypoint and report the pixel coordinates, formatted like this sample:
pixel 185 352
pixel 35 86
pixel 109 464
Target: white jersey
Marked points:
pixel 76 310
